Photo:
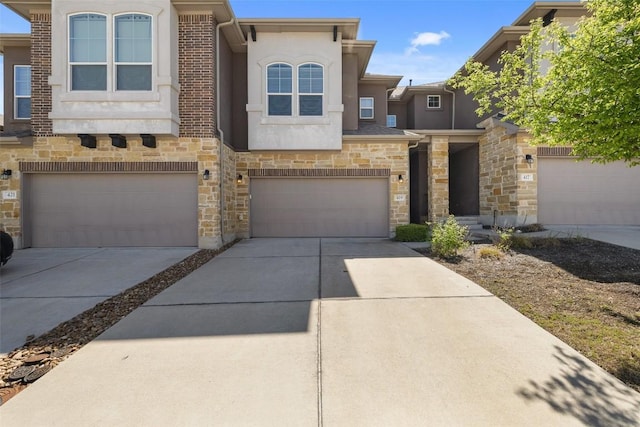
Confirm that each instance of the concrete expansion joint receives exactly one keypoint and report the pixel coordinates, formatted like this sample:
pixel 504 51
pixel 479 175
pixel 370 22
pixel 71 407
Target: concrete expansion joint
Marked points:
pixel 196 304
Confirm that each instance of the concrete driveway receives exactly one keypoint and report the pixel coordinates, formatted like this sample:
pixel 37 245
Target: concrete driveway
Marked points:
pixel 41 288
pixel 621 235
pixel 335 332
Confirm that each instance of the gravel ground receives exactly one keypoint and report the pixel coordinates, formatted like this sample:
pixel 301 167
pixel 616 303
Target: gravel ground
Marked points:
pixel 26 364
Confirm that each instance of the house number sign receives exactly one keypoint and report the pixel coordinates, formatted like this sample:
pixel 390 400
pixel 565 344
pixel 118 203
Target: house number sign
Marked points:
pixel 9 195
pixel 526 177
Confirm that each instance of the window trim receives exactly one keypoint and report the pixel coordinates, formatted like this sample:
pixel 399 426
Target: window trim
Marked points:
pixel 110 54
pixel 16 97
pixel 372 108
pixel 290 94
pixel 71 63
pixel 301 94
pixel 114 53
pixel 439 98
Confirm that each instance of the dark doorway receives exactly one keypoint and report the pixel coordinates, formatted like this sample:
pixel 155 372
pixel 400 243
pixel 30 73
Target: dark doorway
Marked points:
pixel 464 179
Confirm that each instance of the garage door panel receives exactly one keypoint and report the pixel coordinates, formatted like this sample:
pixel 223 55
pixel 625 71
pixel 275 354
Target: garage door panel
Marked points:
pixel 571 192
pixel 326 207
pixel 72 210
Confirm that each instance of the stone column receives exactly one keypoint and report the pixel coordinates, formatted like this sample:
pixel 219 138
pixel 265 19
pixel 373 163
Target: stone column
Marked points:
pixel 438 178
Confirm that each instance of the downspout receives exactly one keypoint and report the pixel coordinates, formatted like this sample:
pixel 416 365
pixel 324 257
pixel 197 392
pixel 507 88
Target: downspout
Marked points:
pixel 453 108
pixel 220 132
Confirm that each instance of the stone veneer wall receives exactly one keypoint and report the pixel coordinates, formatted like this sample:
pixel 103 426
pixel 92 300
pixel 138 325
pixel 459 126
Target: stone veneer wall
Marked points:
pixel 354 155
pixel 438 178
pixel 503 192
pixel 204 151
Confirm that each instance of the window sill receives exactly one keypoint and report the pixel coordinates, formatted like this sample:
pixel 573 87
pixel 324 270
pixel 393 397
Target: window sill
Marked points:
pixel 128 96
pixel 295 120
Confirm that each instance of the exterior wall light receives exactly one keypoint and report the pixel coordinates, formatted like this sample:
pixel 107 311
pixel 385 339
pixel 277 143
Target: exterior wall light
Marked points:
pixel 400 178
pixel 6 173
pixel 528 158
pixel 239 179
pixel 206 174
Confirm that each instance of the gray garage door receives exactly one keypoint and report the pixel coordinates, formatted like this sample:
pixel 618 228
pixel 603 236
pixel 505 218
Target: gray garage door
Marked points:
pixel 90 210
pixel 319 207
pixel 571 192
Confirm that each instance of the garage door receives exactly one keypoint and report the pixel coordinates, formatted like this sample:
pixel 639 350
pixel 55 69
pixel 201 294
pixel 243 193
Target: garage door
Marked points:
pixel 571 192
pixel 90 210
pixel 320 207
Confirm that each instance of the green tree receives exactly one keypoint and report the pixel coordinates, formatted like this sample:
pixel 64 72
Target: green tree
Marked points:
pixel 578 89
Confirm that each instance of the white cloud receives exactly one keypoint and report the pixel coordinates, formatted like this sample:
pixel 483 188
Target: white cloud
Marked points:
pixel 419 68
pixel 426 39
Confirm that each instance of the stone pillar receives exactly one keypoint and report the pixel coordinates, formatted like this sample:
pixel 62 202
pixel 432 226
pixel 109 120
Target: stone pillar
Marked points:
pixel 527 186
pixel 438 178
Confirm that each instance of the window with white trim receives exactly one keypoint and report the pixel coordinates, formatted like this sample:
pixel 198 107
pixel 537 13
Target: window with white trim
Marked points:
pixel 279 89
pixel 310 89
pixel 433 101
pixel 89 63
pixel 366 107
pixel 88 51
pixel 133 52
pixel 22 91
pixel 391 121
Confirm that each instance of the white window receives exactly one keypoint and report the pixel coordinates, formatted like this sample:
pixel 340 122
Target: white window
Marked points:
pixel 133 52
pixel 88 51
pixel 391 121
pixel 433 101
pixel 279 89
pixel 22 91
pixel 366 108
pixel 310 89
pixel 90 68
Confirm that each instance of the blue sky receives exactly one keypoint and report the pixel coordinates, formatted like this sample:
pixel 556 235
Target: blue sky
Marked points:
pixel 423 40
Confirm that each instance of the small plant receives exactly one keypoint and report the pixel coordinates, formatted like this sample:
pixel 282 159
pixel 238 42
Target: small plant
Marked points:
pixel 490 252
pixel 412 233
pixel 448 238
pixel 504 239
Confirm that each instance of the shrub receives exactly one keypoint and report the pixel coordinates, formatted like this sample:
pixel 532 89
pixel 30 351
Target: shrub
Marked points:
pixel 412 233
pixel 448 238
pixel 531 228
pixel 490 252
pixel 504 239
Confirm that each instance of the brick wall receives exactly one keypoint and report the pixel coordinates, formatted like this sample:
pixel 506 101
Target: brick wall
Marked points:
pixel 40 72
pixel 196 45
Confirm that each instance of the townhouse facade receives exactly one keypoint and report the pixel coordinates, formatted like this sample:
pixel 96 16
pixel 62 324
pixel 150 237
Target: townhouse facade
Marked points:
pixel 174 123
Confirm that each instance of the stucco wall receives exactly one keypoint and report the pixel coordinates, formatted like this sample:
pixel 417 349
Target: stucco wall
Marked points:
pixel 111 111
pixel 294 132
pixel 379 95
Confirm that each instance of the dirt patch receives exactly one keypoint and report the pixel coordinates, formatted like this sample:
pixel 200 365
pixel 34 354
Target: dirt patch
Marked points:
pixel 48 350
pixel 585 292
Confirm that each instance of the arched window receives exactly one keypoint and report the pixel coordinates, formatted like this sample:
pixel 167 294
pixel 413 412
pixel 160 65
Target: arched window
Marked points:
pixel 279 89
pixel 133 51
pixel 88 51
pixel 310 89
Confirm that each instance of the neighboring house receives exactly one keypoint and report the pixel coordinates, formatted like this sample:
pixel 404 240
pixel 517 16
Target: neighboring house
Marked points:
pixel 174 123
pixel 466 165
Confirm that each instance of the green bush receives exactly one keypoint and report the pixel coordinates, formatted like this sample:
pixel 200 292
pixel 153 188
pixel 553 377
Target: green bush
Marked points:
pixel 448 238
pixel 412 233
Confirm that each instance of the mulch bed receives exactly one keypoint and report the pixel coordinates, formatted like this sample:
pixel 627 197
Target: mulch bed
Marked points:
pixel 585 292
